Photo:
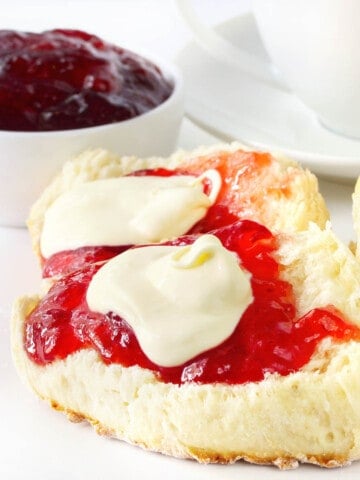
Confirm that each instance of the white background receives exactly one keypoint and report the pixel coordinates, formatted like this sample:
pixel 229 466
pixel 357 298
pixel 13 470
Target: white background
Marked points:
pixel 35 442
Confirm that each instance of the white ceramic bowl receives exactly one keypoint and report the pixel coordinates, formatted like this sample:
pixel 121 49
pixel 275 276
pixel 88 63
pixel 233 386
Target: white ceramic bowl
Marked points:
pixel 29 160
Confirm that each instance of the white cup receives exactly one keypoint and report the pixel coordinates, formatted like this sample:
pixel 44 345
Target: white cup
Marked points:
pixel 314 44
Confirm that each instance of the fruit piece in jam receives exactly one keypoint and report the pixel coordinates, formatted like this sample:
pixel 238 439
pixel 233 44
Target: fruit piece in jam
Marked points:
pixel 268 338
pixel 65 262
pixel 242 195
pixel 68 79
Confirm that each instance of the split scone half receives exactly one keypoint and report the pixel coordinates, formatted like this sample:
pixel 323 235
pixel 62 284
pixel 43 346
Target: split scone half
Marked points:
pixel 263 364
pixel 269 373
pixel 356 217
pixel 269 189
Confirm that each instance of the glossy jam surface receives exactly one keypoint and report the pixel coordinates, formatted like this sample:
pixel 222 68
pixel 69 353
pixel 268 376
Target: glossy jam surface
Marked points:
pixel 65 262
pixel 68 79
pixel 219 214
pixel 250 181
pixel 268 338
pixel 240 171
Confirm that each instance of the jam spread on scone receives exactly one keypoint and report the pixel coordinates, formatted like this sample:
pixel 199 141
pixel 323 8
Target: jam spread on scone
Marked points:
pixel 68 79
pixel 65 262
pixel 245 182
pixel 124 211
pixel 200 286
pixel 267 338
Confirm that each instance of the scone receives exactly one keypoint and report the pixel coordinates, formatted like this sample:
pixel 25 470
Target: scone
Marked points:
pixel 75 221
pixel 268 372
pixel 356 217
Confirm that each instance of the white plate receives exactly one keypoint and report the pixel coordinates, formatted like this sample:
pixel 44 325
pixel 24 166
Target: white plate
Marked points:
pixel 234 105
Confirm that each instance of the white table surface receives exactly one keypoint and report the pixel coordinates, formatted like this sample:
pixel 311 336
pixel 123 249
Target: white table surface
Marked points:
pixel 36 442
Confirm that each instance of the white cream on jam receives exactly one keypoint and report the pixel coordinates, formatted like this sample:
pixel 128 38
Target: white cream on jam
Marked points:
pixel 180 301
pixel 126 211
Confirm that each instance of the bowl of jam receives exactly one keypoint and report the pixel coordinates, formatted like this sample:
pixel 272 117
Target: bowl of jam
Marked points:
pixel 63 91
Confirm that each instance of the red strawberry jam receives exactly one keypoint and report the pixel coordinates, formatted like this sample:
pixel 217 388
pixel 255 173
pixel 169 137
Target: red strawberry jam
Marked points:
pixel 68 261
pixel 68 79
pixel 240 172
pixel 65 262
pixel 268 338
